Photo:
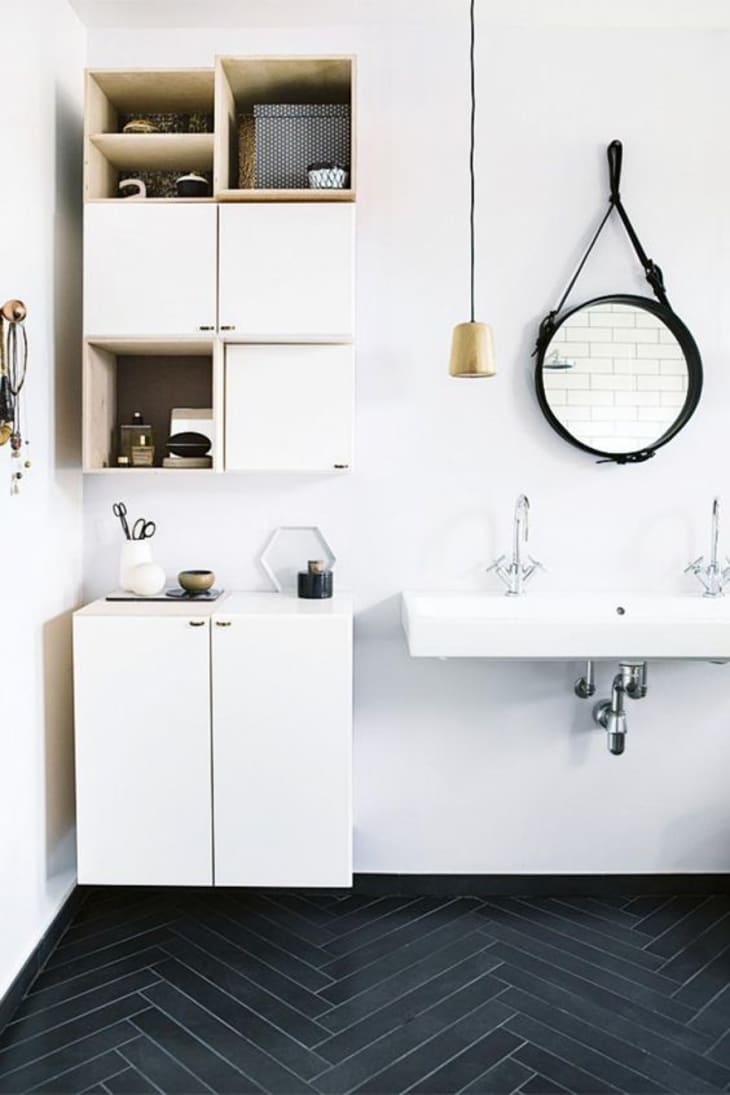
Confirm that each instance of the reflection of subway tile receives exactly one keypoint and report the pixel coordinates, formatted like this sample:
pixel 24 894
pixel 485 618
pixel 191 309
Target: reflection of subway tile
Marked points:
pixel 563 380
pixel 611 319
pixel 614 414
pixel 593 365
pixel 628 429
pixel 588 334
pixel 664 351
pixel 557 398
pixel 646 319
pixel 604 398
pixel 613 382
pixel 574 415
pixel 672 399
pixel 666 415
pixel 636 399
pixel 674 368
pixel 577 349
pixel 659 383
pixel 614 349
pixel 636 365
pixel 641 334
pixel 665 335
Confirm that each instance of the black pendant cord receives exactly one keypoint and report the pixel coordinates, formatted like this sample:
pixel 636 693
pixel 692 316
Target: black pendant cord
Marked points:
pixel 472 177
pixel 652 271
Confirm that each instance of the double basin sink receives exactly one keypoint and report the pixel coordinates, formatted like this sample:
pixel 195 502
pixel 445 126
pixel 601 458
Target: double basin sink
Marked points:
pixel 574 626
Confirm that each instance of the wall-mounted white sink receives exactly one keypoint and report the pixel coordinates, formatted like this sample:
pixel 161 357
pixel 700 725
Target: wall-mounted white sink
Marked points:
pixel 560 626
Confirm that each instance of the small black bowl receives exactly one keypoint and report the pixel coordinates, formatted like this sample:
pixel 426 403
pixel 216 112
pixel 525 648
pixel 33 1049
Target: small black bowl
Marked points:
pixel 188 443
pixel 192 186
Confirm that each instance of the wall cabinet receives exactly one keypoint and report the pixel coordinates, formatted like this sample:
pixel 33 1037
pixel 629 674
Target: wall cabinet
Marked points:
pixel 289 407
pixel 149 269
pixel 273 271
pixel 273 806
pixel 286 270
pixel 143 769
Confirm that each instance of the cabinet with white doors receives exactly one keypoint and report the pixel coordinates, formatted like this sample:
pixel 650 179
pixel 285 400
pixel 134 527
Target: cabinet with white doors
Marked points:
pixel 150 269
pixel 289 407
pixel 213 742
pixel 280 271
pixel 286 270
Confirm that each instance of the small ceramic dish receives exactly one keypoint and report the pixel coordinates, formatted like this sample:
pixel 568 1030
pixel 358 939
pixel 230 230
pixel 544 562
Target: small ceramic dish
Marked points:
pixel 196 581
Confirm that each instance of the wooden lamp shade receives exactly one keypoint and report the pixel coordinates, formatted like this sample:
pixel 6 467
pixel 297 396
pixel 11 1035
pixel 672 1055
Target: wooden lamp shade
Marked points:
pixel 472 351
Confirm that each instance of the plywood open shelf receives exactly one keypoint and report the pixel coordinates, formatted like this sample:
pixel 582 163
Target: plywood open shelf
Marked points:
pixel 244 82
pixel 156 151
pixel 114 92
pixel 149 375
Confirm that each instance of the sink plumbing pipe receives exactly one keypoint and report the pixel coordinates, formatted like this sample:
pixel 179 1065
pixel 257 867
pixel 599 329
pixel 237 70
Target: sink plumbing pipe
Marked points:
pixel 585 686
pixel 610 714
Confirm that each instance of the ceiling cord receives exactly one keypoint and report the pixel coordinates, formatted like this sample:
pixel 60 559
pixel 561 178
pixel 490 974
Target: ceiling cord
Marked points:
pixel 471 158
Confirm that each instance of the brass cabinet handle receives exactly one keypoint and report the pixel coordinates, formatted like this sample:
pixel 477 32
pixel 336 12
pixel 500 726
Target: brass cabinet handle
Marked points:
pixel 206 327
pixel 197 623
pixel 228 326
pixel 223 623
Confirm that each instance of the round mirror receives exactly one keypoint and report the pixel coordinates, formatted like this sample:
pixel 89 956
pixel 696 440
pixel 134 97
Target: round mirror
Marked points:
pixel 618 376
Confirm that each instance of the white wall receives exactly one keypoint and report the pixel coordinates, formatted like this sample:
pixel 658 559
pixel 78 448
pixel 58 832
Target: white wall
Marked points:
pixel 41 63
pixel 465 766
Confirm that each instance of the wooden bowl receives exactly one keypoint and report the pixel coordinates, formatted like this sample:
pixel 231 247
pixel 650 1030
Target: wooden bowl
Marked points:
pixel 196 581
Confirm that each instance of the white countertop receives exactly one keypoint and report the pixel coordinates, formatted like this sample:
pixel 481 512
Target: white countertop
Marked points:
pixel 228 604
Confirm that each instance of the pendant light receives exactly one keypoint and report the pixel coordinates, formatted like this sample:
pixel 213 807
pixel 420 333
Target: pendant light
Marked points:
pixel 472 346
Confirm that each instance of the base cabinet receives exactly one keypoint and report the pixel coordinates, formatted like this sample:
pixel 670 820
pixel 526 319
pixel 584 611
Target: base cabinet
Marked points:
pixel 143 787
pixel 214 748
pixel 282 699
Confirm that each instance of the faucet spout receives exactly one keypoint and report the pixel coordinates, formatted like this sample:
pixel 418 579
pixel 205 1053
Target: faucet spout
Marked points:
pixel 712 575
pixel 517 574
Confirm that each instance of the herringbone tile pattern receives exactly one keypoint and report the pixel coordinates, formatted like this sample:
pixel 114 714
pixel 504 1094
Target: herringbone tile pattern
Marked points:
pixel 232 992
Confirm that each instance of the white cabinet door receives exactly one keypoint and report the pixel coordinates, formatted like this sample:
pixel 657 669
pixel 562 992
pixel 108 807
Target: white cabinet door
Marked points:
pixel 282 727
pixel 143 772
pixel 289 407
pixel 149 269
pixel 286 269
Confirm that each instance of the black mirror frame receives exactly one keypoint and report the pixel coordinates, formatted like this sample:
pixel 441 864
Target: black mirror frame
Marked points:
pixel 694 379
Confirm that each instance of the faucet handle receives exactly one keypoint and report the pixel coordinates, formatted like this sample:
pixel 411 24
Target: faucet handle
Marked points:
pixel 536 564
pixel 528 572
pixel 496 564
pixel 695 566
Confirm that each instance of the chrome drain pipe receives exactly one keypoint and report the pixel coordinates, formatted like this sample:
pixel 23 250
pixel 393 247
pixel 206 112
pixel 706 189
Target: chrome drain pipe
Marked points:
pixel 631 681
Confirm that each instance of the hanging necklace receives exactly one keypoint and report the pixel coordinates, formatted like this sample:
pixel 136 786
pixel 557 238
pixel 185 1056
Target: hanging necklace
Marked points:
pixel 13 371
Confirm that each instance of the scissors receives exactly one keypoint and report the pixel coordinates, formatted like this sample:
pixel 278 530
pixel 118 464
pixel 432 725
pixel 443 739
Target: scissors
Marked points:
pixel 120 510
pixel 143 530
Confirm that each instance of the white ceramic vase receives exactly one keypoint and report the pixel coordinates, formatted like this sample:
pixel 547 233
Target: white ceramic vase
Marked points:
pixel 134 552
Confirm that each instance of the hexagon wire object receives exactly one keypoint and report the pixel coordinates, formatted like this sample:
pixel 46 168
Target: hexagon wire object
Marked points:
pixel 288 550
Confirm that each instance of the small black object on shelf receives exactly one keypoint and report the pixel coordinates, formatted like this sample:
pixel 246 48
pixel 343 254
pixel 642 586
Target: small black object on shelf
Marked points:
pixel 316 582
pixel 188 443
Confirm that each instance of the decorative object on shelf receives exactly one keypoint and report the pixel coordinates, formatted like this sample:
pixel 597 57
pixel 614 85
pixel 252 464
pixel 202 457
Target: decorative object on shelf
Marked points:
pixel 192 186
pixel 472 344
pixel 13 371
pixel 140 125
pixel 187 595
pixel 196 581
pixel 137 188
pixel 163 184
pixel 291 136
pixel 643 347
pixel 316 582
pixel 146 579
pixel 136 548
pixel 136 443
pixel 327 176
pixel 188 443
pixel 283 552
pixel 169 122
pixel 191 438
pixel 246 152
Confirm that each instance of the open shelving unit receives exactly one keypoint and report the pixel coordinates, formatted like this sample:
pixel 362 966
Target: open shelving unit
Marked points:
pixel 152 376
pixel 108 153
pixel 243 82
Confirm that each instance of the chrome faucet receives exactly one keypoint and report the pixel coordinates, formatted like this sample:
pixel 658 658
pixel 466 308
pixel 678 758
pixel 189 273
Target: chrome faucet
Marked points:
pixel 712 575
pixel 517 574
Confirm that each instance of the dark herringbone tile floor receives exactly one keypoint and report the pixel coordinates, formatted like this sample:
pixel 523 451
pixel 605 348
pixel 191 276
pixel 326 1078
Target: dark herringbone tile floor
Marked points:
pixel 228 992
